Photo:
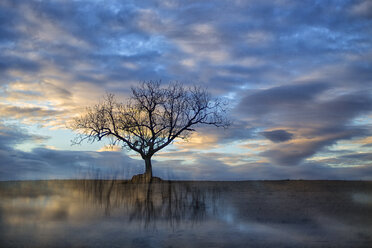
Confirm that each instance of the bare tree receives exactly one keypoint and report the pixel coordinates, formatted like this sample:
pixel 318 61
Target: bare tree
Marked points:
pixel 152 118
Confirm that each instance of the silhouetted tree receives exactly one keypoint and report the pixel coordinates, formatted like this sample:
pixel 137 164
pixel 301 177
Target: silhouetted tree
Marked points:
pixel 152 118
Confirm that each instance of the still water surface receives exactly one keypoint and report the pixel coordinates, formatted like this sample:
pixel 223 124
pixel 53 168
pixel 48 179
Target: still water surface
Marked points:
pixel 87 213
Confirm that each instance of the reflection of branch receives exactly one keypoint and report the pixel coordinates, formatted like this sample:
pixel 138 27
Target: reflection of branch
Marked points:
pixel 172 202
pixel 108 195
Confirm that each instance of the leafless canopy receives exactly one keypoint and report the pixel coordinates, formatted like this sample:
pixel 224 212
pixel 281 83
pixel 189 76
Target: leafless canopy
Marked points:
pixel 152 118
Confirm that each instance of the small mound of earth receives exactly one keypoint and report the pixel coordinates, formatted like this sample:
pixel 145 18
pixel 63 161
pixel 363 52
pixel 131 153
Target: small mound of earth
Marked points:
pixel 143 178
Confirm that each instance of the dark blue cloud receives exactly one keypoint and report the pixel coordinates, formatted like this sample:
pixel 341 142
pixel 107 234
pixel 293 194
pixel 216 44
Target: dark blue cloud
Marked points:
pixel 292 37
pixel 287 96
pixel 277 135
pixel 18 63
pixel 44 163
pixel 302 107
pixel 11 135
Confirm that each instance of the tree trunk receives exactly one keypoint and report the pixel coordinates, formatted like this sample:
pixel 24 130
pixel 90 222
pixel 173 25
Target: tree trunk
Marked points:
pixel 148 172
pixel 147 176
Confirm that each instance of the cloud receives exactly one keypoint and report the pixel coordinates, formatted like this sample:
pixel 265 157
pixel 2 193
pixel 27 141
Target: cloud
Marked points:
pixel 207 168
pixel 296 72
pixel 277 135
pixel 96 41
pixel 295 151
pixel 348 159
pixel 284 97
pixel 11 135
pixel 315 120
pixel 207 137
pixel 25 112
pixel 365 141
pixel 18 63
pixel 45 163
pixel 110 148
pixel 362 8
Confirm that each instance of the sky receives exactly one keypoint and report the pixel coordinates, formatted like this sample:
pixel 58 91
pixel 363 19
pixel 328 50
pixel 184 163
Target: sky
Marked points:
pixel 297 75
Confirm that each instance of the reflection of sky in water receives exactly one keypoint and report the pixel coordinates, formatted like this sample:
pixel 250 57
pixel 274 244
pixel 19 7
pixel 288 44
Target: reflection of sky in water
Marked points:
pixel 103 213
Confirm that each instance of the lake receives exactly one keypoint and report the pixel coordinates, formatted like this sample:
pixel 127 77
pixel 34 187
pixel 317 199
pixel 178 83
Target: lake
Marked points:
pixel 117 213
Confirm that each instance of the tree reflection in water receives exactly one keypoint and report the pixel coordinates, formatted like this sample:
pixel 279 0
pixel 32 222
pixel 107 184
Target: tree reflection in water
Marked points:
pixel 150 203
pixel 116 213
